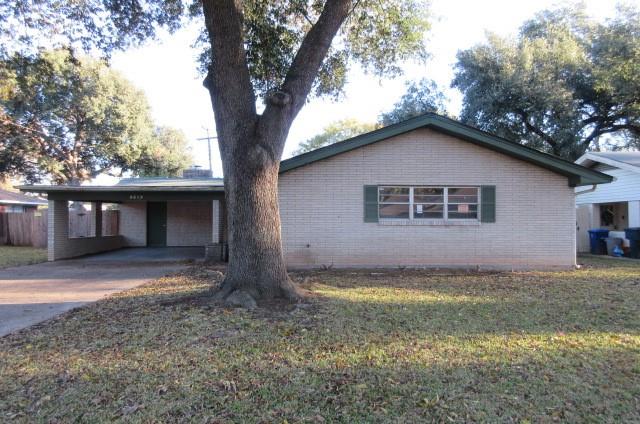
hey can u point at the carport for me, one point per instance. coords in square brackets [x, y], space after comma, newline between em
[152, 213]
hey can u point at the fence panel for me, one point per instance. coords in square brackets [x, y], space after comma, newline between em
[30, 229]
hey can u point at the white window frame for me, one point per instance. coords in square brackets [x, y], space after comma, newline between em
[445, 206]
[396, 203]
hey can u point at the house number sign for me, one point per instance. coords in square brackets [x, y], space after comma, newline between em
[136, 197]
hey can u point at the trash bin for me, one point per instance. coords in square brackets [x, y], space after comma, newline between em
[612, 243]
[633, 235]
[597, 244]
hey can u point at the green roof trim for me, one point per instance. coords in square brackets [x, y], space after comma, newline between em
[577, 175]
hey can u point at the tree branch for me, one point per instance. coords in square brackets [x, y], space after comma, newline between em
[228, 79]
[312, 51]
[537, 131]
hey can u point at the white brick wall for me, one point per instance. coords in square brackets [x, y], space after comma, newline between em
[189, 223]
[322, 208]
[133, 223]
[60, 246]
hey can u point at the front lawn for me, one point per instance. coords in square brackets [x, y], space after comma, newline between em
[372, 346]
[21, 255]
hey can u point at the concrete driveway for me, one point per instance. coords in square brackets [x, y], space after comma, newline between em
[34, 293]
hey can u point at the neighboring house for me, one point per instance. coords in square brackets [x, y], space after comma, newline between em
[614, 206]
[428, 191]
[12, 202]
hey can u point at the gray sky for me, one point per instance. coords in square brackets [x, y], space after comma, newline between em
[166, 71]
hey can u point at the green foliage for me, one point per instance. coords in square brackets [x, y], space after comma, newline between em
[377, 35]
[335, 132]
[27, 25]
[420, 97]
[561, 85]
[166, 154]
[69, 118]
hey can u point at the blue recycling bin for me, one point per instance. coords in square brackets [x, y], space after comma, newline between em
[633, 235]
[597, 244]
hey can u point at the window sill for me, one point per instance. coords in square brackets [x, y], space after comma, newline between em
[430, 222]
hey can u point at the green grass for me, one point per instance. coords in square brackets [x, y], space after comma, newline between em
[372, 346]
[20, 255]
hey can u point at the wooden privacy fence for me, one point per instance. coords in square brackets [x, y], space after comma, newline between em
[24, 229]
[30, 229]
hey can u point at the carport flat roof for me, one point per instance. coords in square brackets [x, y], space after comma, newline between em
[137, 185]
[136, 189]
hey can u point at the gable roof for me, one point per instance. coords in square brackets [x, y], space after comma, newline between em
[577, 175]
[623, 160]
[12, 198]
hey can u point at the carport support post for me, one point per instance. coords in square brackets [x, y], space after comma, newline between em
[58, 228]
[96, 217]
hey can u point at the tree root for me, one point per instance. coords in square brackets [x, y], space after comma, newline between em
[237, 297]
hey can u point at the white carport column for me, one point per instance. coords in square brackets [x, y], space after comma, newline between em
[634, 214]
[58, 229]
[215, 223]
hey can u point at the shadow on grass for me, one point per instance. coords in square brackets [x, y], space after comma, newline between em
[405, 348]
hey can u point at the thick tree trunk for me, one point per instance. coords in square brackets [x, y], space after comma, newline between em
[251, 145]
[256, 269]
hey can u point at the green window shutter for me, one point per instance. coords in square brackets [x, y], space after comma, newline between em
[370, 203]
[488, 204]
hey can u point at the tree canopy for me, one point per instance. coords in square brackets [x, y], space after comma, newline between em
[561, 85]
[420, 97]
[165, 155]
[335, 132]
[376, 35]
[71, 118]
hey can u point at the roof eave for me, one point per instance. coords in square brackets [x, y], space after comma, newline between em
[89, 189]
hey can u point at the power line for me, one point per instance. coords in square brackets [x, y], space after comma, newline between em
[209, 138]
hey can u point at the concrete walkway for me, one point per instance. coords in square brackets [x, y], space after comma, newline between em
[34, 293]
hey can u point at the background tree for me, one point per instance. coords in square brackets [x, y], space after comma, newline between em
[70, 119]
[420, 97]
[561, 85]
[279, 52]
[335, 132]
[165, 155]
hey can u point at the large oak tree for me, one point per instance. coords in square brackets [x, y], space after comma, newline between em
[68, 119]
[565, 84]
[262, 60]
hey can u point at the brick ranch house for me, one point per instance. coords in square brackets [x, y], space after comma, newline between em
[428, 191]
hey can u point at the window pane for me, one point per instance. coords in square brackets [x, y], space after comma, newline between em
[394, 211]
[394, 194]
[463, 195]
[428, 191]
[428, 199]
[463, 211]
[428, 211]
[428, 195]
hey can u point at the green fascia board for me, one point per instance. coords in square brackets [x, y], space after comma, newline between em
[577, 175]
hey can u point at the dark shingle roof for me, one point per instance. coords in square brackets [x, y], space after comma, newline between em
[13, 198]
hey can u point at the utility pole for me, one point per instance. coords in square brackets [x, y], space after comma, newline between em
[208, 138]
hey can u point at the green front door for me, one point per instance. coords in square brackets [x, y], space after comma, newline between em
[156, 224]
